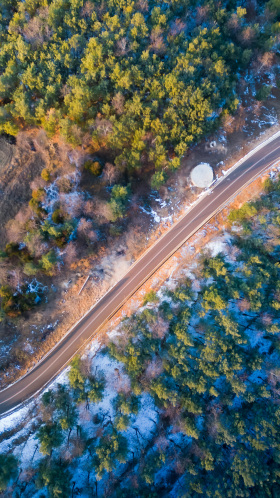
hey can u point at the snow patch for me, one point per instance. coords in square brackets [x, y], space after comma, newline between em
[216, 246]
[10, 421]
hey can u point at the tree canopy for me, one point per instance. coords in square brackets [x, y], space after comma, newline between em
[144, 79]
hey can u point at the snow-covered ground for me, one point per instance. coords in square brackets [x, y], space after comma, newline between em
[141, 429]
[20, 425]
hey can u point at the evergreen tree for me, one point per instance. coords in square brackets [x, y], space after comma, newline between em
[8, 470]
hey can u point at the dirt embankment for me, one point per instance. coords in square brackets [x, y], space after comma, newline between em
[19, 166]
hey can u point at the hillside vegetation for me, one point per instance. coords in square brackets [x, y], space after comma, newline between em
[183, 400]
[139, 81]
[104, 99]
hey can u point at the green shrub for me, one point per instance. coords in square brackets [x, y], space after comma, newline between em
[30, 269]
[115, 230]
[127, 403]
[94, 167]
[48, 262]
[46, 175]
[38, 194]
[59, 232]
[58, 216]
[8, 469]
[122, 422]
[158, 179]
[36, 200]
[246, 212]
[264, 92]
[15, 303]
[150, 297]
[268, 185]
[119, 200]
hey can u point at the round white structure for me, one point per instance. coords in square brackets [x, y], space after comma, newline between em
[202, 175]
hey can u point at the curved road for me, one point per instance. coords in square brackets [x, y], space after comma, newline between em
[252, 165]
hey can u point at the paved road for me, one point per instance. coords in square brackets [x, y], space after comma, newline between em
[49, 367]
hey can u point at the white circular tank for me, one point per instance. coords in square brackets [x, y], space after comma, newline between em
[202, 175]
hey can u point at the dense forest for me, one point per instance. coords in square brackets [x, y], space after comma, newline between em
[206, 355]
[137, 81]
[129, 87]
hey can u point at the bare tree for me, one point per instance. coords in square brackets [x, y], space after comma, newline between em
[202, 14]
[122, 382]
[78, 447]
[240, 118]
[70, 254]
[87, 9]
[118, 103]
[122, 47]
[154, 369]
[103, 126]
[15, 229]
[157, 41]
[85, 231]
[27, 475]
[37, 31]
[235, 123]
[103, 210]
[266, 319]
[84, 226]
[142, 5]
[233, 23]
[4, 272]
[162, 443]
[36, 245]
[244, 305]
[24, 148]
[15, 278]
[177, 27]
[37, 183]
[86, 140]
[247, 36]
[179, 466]
[88, 208]
[134, 242]
[110, 173]
[41, 140]
[64, 185]
[160, 328]
[264, 62]
[72, 203]
[228, 121]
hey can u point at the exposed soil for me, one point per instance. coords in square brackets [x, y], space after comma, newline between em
[18, 168]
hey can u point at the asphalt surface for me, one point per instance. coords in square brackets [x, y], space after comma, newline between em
[59, 356]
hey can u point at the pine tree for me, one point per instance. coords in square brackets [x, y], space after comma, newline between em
[8, 470]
